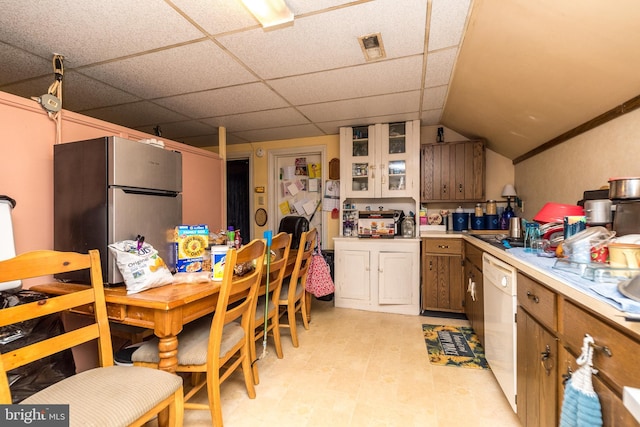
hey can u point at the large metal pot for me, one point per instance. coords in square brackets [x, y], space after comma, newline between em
[624, 188]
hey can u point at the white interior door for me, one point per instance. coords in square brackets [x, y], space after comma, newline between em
[297, 186]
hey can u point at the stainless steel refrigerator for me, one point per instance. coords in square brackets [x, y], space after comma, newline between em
[111, 189]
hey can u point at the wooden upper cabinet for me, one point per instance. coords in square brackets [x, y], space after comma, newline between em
[453, 171]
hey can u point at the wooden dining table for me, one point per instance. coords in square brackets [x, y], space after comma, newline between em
[165, 309]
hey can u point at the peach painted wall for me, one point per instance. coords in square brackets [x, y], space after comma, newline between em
[27, 137]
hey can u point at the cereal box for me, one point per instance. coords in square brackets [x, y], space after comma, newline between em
[190, 244]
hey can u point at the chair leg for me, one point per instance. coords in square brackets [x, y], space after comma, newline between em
[276, 336]
[247, 372]
[254, 361]
[213, 394]
[291, 315]
[304, 310]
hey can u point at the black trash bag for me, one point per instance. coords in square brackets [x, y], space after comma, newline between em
[29, 379]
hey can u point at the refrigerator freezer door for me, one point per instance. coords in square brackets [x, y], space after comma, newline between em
[139, 165]
[151, 216]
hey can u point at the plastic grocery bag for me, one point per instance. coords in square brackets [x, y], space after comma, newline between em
[140, 266]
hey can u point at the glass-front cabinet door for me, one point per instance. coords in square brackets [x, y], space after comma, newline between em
[396, 160]
[358, 151]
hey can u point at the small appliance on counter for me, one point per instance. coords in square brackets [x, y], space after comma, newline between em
[625, 197]
[377, 224]
[398, 218]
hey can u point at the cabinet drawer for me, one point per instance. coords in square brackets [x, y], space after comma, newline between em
[473, 254]
[442, 246]
[619, 369]
[539, 301]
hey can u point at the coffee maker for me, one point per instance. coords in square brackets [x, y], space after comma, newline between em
[398, 217]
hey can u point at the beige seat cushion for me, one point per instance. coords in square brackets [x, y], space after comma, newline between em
[111, 396]
[285, 290]
[192, 343]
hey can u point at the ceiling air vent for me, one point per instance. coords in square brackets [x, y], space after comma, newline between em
[372, 47]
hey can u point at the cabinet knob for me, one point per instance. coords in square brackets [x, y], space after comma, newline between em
[444, 189]
[460, 188]
[430, 265]
[533, 297]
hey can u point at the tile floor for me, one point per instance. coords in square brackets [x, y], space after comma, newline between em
[358, 368]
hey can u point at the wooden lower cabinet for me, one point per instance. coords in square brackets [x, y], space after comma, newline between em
[550, 331]
[474, 290]
[615, 358]
[537, 355]
[442, 284]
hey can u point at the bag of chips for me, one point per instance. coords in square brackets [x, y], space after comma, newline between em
[140, 265]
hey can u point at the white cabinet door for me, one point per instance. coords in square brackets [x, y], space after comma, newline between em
[358, 161]
[398, 160]
[380, 160]
[353, 274]
[395, 278]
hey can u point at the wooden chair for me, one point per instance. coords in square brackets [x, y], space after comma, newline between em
[293, 296]
[280, 245]
[107, 395]
[218, 346]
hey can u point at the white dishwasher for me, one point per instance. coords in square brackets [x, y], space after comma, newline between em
[500, 307]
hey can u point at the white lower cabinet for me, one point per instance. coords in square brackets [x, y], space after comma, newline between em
[378, 275]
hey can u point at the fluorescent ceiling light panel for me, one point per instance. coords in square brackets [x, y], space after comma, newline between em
[270, 13]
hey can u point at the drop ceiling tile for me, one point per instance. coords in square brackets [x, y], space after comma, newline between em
[333, 128]
[202, 141]
[448, 19]
[29, 88]
[102, 30]
[136, 114]
[434, 97]
[22, 65]
[363, 107]
[212, 140]
[439, 67]
[302, 131]
[330, 40]
[217, 16]
[179, 130]
[162, 73]
[221, 102]
[353, 82]
[431, 117]
[259, 120]
[305, 6]
[79, 92]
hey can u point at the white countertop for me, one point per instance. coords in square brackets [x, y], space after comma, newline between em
[560, 285]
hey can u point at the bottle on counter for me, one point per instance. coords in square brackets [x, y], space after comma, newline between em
[237, 242]
[231, 236]
[478, 210]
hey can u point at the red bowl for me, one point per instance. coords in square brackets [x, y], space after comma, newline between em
[555, 212]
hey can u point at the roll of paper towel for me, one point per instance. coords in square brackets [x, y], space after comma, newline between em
[7, 244]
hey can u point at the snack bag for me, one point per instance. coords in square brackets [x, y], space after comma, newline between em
[140, 266]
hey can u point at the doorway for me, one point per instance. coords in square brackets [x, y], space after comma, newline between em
[296, 184]
[238, 196]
